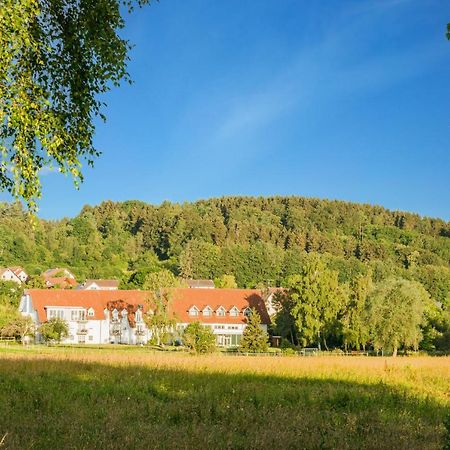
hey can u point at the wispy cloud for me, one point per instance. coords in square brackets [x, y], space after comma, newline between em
[334, 67]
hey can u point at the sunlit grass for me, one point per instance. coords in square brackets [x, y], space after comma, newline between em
[135, 398]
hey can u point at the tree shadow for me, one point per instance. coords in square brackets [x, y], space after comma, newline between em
[48, 403]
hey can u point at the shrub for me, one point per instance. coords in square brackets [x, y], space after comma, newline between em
[54, 330]
[199, 338]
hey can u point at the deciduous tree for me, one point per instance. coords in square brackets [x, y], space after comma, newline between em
[54, 330]
[56, 58]
[199, 338]
[316, 298]
[396, 313]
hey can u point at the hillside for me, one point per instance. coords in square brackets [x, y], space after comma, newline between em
[258, 240]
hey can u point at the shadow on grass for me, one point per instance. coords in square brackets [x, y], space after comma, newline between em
[49, 404]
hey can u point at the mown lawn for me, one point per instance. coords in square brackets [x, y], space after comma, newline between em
[62, 398]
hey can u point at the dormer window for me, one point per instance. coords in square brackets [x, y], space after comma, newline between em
[115, 314]
[207, 312]
[234, 312]
[91, 312]
[124, 312]
[138, 315]
[247, 312]
[220, 311]
[193, 311]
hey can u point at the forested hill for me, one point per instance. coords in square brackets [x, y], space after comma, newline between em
[258, 240]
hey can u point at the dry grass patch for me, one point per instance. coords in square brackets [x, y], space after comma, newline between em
[85, 398]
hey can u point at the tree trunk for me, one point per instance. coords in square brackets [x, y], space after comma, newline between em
[394, 352]
[325, 344]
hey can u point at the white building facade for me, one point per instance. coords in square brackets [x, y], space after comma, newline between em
[117, 317]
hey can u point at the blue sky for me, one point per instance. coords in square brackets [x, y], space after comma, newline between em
[332, 99]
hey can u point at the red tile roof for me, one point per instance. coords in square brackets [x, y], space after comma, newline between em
[102, 283]
[184, 299]
[61, 282]
[17, 270]
[97, 300]
[181, 300]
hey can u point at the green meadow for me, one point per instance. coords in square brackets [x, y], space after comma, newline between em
[64, 398]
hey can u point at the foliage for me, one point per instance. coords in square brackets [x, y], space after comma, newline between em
[316, 298]
[254, 338]
[354, 320]
[54, 330]
[8, 314]
[260, 241]
[10, 293]
[55, 61]
[396, 313]
[18, 326]
[225, 282]
[199, 338]
[36, 282]
[160, 280]
[158, 319]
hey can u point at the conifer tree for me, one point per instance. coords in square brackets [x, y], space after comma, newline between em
[254, 339]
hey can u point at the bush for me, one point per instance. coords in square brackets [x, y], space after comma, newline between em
[288, 351]
[199, 338]
[54, 330]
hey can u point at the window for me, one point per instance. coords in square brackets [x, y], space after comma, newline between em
[223, 340]
[91, 312]
[207, 312]
[91, 338]
[77, 314]
[247, 312]
[234, 312]
[138, 316]
[193, 311]
[115, 314]
[220, 311]
[56, 314]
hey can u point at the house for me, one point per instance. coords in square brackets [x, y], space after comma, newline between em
[60, 282]
[58, 273]
[117, 316]
[200, 284]
[20, 273]
[59, 278]
[7, 274]
[93, 316]
[102, 285]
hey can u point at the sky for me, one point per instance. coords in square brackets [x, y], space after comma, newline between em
[335, 99]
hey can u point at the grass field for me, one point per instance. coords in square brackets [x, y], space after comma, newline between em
[62, 398]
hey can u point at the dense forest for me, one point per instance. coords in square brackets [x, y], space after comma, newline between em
[252, 242]
[261, 241]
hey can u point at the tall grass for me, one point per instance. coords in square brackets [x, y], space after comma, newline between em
[106, 399]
